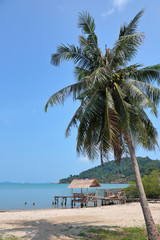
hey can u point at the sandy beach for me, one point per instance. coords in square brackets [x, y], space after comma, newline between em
[52, 224]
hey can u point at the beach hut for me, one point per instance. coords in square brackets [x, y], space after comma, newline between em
[80, 197]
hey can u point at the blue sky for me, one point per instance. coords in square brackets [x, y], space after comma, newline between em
[33, 147]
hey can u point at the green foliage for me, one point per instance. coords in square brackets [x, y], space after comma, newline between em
[127, 233]
[112, 171]
[131, 191]
[81, 234]
[151, 185]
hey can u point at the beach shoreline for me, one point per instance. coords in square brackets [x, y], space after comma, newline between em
[62, 223]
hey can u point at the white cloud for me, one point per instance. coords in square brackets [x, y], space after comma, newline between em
[117, 5]
[120, 4]
[83, 159]
[107, 13]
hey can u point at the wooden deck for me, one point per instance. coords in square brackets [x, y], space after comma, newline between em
[109, 201]
[102, 201]
[62, 198]
[84, 200]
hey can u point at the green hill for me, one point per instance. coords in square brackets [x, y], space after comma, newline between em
[111, 172]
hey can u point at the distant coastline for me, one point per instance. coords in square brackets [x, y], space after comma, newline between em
[111, 173]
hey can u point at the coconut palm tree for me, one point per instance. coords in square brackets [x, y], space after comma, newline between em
[113, 98]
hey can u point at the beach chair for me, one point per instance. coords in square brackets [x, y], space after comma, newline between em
[106, 199]
[121, 196]
[92, 198]
[113, 197]
[79, 198]
[110, 194]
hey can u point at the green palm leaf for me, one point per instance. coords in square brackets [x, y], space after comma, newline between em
[125, 49]
[81, 73]
[87, 24]
[75, 119]
[122, 107]
[140, 96]
[69, 53]
[60, 96]
[151, 92]
[147, 74]
[132, 26]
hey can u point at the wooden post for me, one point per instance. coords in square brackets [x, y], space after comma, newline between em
[82, 203]
[87, 197]
[71, 197]
[96, 197]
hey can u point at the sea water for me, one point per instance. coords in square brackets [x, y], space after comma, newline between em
[13, 196]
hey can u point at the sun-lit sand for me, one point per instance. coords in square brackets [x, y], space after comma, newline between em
[52, 224]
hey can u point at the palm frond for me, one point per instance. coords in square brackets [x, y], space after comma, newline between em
[110, 119]
[100, 77]
[60, 96]
[130, 70]
[85, 44]
[125, 49]
[93, 110]
[143, 131]
[122, 107]
[132, 26]
[93, 53]
[137, 95]
[148, 74]
[90, 142]
[87, 24]
[76, 118]
[68, 53]
[118, 149]
[152, 92]
[111, 127]
[152, 134]
[81, 73]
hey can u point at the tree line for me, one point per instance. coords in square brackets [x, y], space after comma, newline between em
[121, 172]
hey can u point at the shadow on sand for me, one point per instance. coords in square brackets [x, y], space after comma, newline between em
[44, 230]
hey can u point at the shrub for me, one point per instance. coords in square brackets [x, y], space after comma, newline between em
[151, 185]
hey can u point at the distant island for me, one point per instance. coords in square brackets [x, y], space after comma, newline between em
[115, 173]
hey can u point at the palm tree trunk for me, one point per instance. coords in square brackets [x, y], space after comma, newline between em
[150, 225]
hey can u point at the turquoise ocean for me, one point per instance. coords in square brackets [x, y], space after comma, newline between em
[14, 195]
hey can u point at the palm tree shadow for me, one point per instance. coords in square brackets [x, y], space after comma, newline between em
[42, 229]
